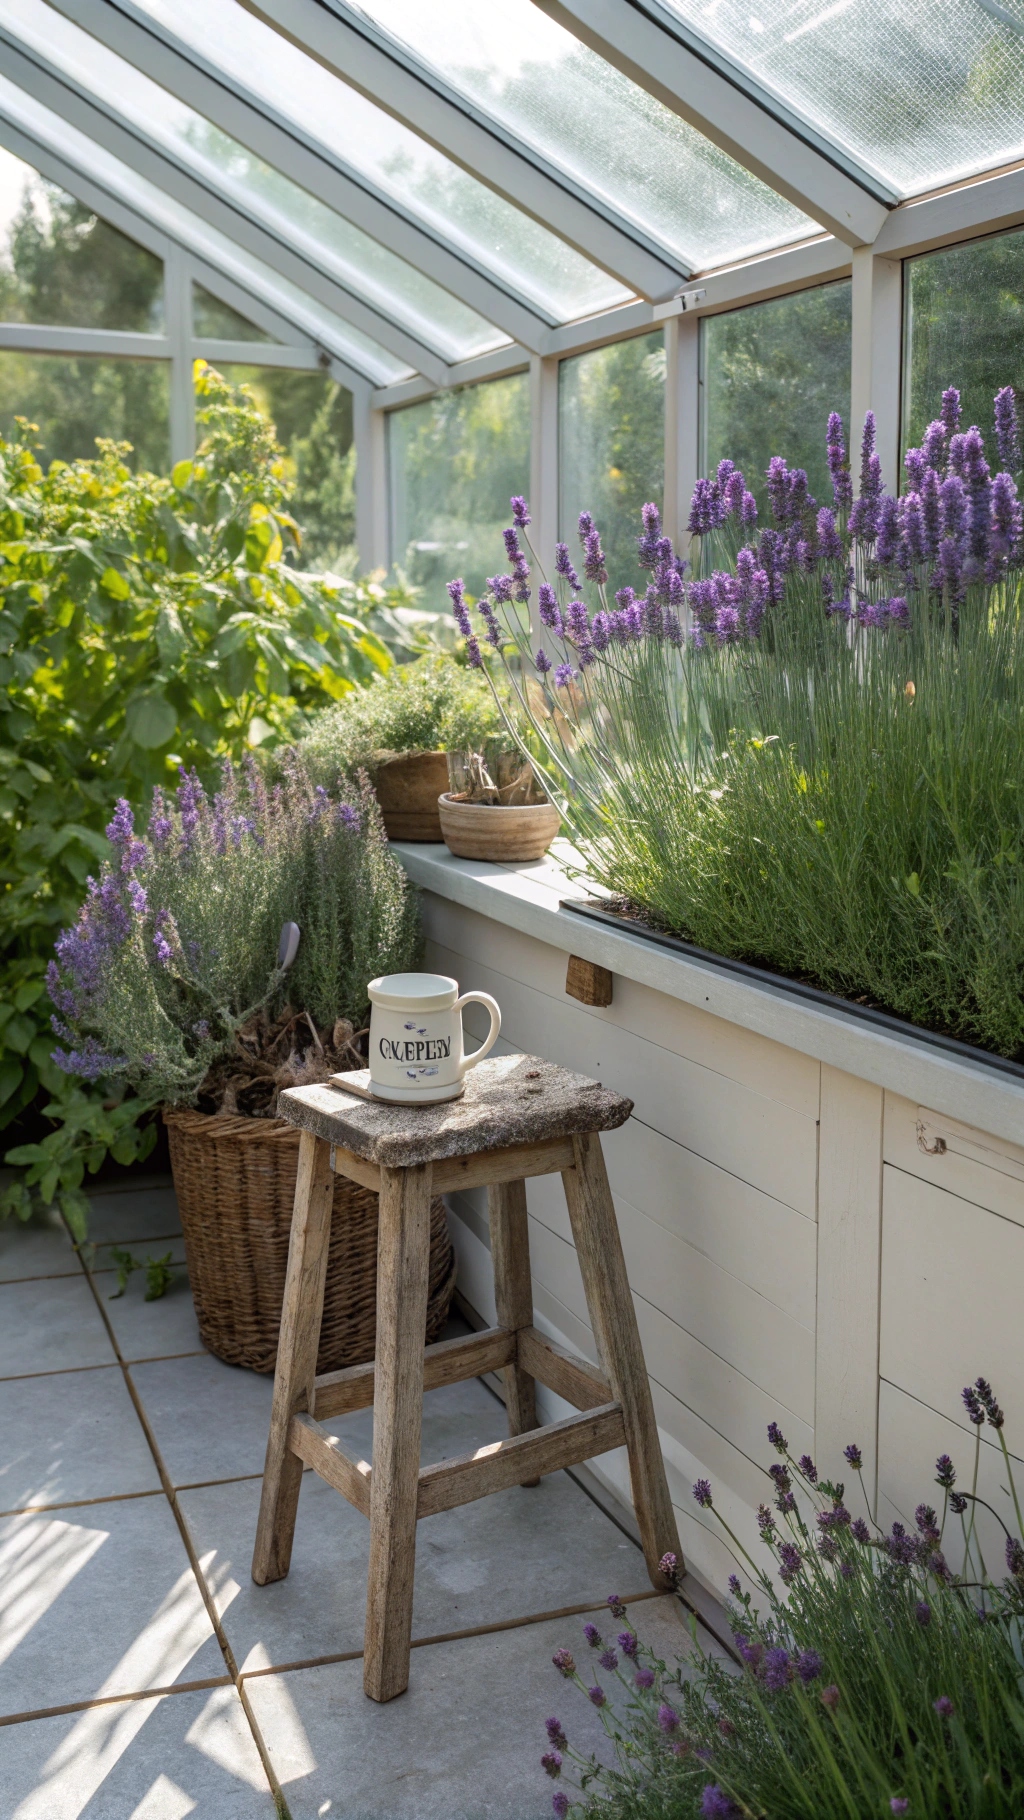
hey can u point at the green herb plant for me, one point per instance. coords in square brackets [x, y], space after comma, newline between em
[434, 704]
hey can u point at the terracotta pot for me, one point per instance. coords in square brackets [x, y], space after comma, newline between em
[492, 831]
[407, 790]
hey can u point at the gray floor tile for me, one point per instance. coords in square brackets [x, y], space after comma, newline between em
[508, 1556]
[465, 1741]
[151, 1330]
[97, 1601]
[73, 1435]
[187, 1757]
[51, 1324]
[210, 1419]
[158, 1247]
[134, 1216]
[39, 1247]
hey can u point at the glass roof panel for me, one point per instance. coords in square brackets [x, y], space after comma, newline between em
[597, 126]
[511, 247]
[365, 267]
[869, 75]
[109, 173]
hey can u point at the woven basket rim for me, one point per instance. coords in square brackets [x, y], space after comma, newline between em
[238, 1126]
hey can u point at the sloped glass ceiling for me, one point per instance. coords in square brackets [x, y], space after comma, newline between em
[362, 265]
[920, 92]
[102, 169]
[549, 91]
[509, 246]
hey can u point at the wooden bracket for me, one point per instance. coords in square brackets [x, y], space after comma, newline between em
[588, 982]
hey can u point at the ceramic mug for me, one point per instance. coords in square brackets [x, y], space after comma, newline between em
[416, 1051]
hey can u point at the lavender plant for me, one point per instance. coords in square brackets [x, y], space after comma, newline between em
[801, 745]
[174, 952]
[873, 1681]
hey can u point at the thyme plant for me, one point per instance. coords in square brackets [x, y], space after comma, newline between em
[873, 1680]
[802, 745]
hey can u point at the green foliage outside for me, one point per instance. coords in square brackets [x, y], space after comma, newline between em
[771, 373]
[877, 1675]
[435, 704]
[964, 327]
[312, 418]
[611, 427]
[146, 623]
[454, 463]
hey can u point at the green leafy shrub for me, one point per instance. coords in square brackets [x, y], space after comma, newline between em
[434, 704]
[145, 622]
[874, 1681]
[176, 947]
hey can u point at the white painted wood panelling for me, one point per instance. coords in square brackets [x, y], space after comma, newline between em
[910, 1439]
[986, 1170]
[849, 1237]
[952, 1297]
[763, 1141]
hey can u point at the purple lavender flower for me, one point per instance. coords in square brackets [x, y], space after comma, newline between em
[1015, 1557]
[913, 537]
[349, 818]
[511, 542]
[957, 1503]
[560, 1804]
[888, 530]
[549, 610]
[494, 633]
[597, 1696]
[715, 1803]
[161, 945]
[90, 1062]
[564, 1662]
[608, 1659]
[644, 1679]
[728, 627]
[765, 1521]
[863, 521]
[702, 1493]
[456, 591]
[520, 514]
[748, 511]
[542, 661]
[593, 555]
[986, 1397]
[899, 1805]
[944, 1706]
[751, 1653]
[668, 1718]
[780, 1478]
[777, 1438]
[860, 1531]
[474, 654]
[933, 445]
[734, 1586]
[951, 410]
[577, 621]
[790, 1562]
[830, 544]
[601, 630]
[501, 588]
[923, 1613]
[564, 568]
[836, 1518]
[705, 508]
[551, 1763]
[593, 1635]
[647, 543]
[835, 449]
[668, 1567]
[949, 570]
[160, 824]
[556, 1736]
[191, 798]
[931, 513]
[914, 466]
[925, 1518]
[808, 1468]
[628, 1644]
[828, 1548]
[1007, 430]
[808, 1665]
[852, 1456]
[972, 1405]
[563, 675]
[945, 1471]
[777, 489]
[1007, 527]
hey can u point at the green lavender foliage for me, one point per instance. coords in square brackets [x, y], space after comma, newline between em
[177, 946]
[877, 1683]
[431, 705]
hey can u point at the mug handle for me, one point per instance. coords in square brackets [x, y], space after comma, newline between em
[481, 998]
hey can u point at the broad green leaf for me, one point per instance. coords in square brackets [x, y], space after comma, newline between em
[181, 474]
[150, 721]
[10, 1077]
[115, 583]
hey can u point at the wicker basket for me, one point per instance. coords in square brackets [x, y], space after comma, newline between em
[235, 1182]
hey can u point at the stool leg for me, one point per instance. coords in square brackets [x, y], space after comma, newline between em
[297, 1348]
[599, 1249]
[403, 1258]
[513, 1294]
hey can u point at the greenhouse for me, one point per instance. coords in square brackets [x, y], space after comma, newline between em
[512, 660]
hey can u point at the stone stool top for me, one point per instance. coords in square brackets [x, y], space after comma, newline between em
[509, 1099]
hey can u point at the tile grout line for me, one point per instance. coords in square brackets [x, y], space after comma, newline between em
[122, 1497]
[204, 1591]
[56, 1276]
[146, 1693]
[62, 1371]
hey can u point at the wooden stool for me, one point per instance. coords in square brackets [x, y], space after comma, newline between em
[519, 1117]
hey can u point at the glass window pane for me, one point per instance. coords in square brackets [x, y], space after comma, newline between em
[964, 327]
[454, 463]
[74, 401]
[367, 356]
[516, 250]
[361, 264]
[59, 263]
[215, 320]
[549, 90]
[312, 415]
[770, 375]
[611, 445]
[920, 94]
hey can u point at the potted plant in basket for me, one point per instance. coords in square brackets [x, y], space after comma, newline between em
[220, 959]
[400, 730]
[495, 807]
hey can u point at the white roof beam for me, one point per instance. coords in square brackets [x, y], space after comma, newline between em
[658, 57]
[50, 85]
[179, 68]
[348, 44]
[986, 206]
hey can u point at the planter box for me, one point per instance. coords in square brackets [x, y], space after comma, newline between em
[823, 1217]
